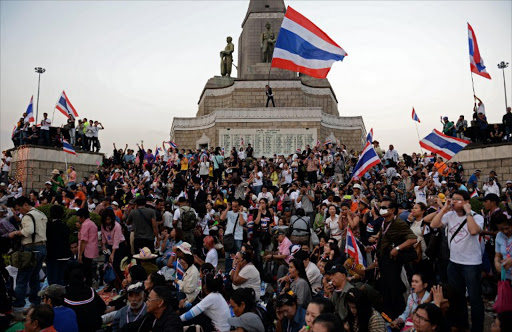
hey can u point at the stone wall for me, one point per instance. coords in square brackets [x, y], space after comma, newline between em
[496, 158]
[33, 165]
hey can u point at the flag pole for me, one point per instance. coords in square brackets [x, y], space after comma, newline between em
[473, 84]
[417, 132]
[66, 160]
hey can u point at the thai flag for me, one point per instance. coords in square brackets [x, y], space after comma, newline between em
[476, 62]
[223, 151]
[30, 112]
[369, 138]
[68, 147]
[317, 142]
[430, 159]
[443, 145]
[328, 142]
[174, 145]
[415, 116]
[65, 107]
[302, 47]
[474, 194]
[157, 151]
[367, 160]
[352, 249]
[241, 141]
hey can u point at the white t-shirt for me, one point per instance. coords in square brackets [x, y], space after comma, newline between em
[168, 219]
[334, 226]
[216, 308]
[287, 175]
[465, 248]
[239, 230]
[293, 198]
[314, 277]
[251, 273]
[258, 182]
[212, 257]
[45, 124]
[241, 155]
[266, 195]
[421, 194]
[6, 167]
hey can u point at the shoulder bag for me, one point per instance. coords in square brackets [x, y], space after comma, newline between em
[229, 239]
[25, 259]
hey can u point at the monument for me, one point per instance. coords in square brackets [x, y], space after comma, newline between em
[231, 110]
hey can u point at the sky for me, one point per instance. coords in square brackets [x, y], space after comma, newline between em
[134, 65]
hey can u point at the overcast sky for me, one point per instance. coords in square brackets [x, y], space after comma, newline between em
[135, 65]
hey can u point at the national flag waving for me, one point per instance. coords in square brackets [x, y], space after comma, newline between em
[64, 105]
[14, 131]
[30, 111]
[369, 138]
[352, 249]
[415, 116]
[302, 47]
[367, 160]
[476, 62]
[443, 145]
[68, 147]
[174, 145]
[329, 141]
[474, 194]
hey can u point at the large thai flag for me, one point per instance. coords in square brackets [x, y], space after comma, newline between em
[68, 147]
[64, 105]
[174, 145]
[30, 111]
[369, 138]
[352, 249]
[302, 47]
[415, 116]
[443, 145]
[367, 160]
[476, 62]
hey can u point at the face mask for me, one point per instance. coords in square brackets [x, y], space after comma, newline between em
[383, 211]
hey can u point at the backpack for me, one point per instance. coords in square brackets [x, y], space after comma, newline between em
[188, 218]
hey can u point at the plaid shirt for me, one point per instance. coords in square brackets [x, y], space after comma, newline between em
[400, 198]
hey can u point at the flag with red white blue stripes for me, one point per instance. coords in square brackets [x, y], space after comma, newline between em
[65, 107]
[415, 116]
[443, 145]
[352, 249]
[68, 147]
[30, 111]
[476, 63]
[369, 138]
[367, 160]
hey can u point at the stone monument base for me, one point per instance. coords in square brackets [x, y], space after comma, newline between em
[33, 165]
[260, 71]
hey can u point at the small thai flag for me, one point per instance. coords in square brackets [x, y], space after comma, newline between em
[328, 142]
[367, 160]
[476, 63]
[174, 145]
[443, 145]
[241, 141]
[415, 116]
[65, 107]
[68, 147]
[474, 194]
[369, 138]
[352, 249]
[30, 112]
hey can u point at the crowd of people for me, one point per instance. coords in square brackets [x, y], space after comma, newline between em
[479, 130]
[234, 242]
[83, 135]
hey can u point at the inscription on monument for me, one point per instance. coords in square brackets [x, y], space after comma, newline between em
[266, 142]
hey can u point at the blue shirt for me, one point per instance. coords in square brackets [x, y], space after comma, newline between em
[65, 319]
[299, 320]
[473, 181]
[502, 243]
[463, 187]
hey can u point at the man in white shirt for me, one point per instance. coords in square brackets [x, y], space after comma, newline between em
[421, 192]
[312, 271]
[211, 255]
[391, 154]
[464, 268]
[45, 129]
[96, 142]
[236, 219]
[293, 194]
[265, 194]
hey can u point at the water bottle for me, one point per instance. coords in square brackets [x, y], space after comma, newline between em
[263, 288]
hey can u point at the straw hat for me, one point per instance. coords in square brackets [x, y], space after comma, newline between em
[145, 253]
[55, 171]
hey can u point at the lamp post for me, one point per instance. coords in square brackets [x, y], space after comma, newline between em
[502, 65]
[38, 70]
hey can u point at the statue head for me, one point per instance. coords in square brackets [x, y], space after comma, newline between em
[267, 25]
[229, 39]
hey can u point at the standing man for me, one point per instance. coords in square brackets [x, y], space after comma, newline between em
[235, 221]
[507, 124]
[270, 96]
[45, 129]
[89, 136]
[96, 142]
[87, 243]
[145, 228]
[391, 154]
[33, 233]
[464, 269]
[395, 236]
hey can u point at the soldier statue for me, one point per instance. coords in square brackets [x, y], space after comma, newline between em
[226, 57]
[268, 40]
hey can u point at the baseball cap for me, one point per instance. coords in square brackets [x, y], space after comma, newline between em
[357, 186]
[115, 203]
[444, 182]
[508, 182]
[491, 197]
[185, 248]
[55, 291]
[48, 182]
[249, 321]
[336, 268]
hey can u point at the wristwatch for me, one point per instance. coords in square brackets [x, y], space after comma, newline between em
[397, 248]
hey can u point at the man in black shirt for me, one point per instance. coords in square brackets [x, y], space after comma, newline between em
[270, 96]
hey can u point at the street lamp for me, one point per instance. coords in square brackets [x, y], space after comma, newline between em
[38, 70]
[502, 65]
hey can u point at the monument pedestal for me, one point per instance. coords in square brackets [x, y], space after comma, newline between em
[33, 165]
[260, 71]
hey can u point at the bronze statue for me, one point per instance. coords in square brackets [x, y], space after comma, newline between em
[268, 40]
[226, 57]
